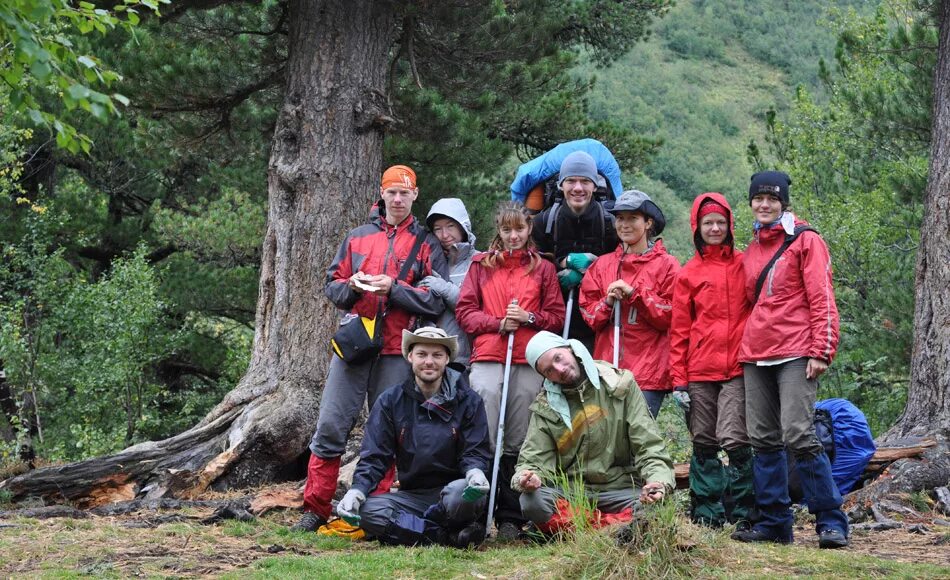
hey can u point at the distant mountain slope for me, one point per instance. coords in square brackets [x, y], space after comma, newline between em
[704, 82]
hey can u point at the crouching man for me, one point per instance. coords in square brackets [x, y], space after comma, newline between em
[591, 425]
[434, 427]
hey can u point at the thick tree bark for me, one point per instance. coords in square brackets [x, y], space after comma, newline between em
[323, 175]
[928, 397]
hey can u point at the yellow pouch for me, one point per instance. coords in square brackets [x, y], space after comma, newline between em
[341, 529]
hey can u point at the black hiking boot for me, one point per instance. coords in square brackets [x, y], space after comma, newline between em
[832, 539]
[471, 536]
[756, 536]
[308, 523]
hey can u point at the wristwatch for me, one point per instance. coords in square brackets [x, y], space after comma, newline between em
[531, 318]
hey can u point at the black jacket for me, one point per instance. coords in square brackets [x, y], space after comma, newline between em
[434, 442]
[558, 232]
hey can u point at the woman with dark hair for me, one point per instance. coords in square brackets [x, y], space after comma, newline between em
[709, 313]
[638, 275]
[789, 340]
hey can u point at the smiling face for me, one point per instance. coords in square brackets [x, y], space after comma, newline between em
[766, 208]
[514, 235]
[713, 228]
[577, 193]
[559, 365]
[428, 363]
[633, 229]
[447, 231]
[398, 202]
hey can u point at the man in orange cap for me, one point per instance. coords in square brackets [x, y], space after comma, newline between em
[373, 276]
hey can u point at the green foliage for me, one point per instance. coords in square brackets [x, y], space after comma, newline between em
[82, 349]
[47, 58]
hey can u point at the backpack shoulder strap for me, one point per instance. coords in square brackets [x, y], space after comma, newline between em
[411, 257]
[789, 238]
[552, 217]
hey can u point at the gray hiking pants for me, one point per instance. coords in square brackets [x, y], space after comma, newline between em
[347, 388]
[409, 517]
[524, 384]
[780, 408]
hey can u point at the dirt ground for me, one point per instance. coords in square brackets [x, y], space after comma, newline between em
[178, 544]
[899, 544]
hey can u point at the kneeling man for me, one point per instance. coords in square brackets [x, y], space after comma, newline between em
[591, 425]
[434, 427]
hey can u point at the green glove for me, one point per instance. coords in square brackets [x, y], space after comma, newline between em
[569, 278]
[580, 262]
[470, 494]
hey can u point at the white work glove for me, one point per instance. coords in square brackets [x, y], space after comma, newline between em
[436, 285]
[349, 506]
[476, 485]
[682, 399]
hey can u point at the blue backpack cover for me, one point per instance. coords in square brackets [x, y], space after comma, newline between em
[854, 444]
[544, 166]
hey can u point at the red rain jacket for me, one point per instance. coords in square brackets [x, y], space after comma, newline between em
[710, 308]
[486, 294]
[380, 248]
[796, 314]
[644, 317]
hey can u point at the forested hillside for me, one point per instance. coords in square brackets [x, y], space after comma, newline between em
[704, 83]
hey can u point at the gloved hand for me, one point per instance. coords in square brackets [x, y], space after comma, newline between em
[681, 396]
[476, 485]
[569, 278]
[349, 506]
[436, 285]
[580, 262]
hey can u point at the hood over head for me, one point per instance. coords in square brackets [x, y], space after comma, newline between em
[452, 208]
[701, 200]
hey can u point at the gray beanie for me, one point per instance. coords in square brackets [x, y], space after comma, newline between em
[578, 164]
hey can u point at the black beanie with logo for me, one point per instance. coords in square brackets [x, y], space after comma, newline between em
[772, 183]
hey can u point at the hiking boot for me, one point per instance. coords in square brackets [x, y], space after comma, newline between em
[508, 532]
[755, 536]
[471, 536]
[308, 523]
[832, 539]
[743, 526]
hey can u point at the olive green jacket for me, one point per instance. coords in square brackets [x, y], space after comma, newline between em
[614, 443]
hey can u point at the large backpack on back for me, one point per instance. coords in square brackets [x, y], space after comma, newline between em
[535, 184]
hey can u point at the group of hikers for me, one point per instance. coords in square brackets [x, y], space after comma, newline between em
[502, 382]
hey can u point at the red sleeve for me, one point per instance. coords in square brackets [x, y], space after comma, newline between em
[655, 303]
[551, 315]
[823, 310]
[468, 311]
[681, 323]
[593, 306]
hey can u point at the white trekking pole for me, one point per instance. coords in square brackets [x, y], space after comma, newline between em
[616, 333]
[567, 319]
[500, 435]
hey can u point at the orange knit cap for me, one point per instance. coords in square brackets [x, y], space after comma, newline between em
[399, 176]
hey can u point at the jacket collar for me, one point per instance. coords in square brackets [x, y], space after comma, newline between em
[444, 403]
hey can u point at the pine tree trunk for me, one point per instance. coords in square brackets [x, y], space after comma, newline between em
[322, 177]
[928, 397]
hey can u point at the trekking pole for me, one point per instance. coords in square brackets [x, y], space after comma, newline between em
[616, 333]
[501, 429]
[567, 319]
